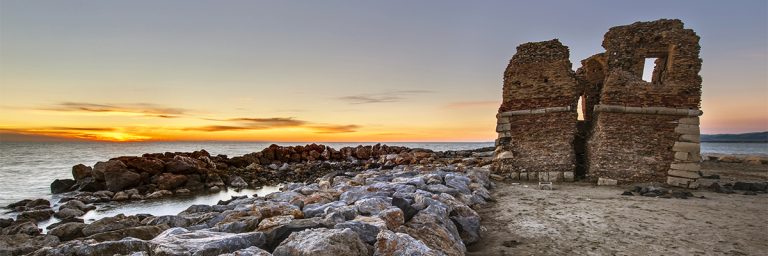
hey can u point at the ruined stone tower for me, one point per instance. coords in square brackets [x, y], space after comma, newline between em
[537, 118]
[633, 130]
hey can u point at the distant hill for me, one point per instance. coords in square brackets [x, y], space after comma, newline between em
[743, 137]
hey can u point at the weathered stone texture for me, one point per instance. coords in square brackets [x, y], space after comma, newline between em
[537, 118]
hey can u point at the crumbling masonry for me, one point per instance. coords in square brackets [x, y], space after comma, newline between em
[632, 130]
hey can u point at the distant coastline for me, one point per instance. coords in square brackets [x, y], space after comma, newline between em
[753, 137]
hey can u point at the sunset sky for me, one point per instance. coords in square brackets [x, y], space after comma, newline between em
[327, 70]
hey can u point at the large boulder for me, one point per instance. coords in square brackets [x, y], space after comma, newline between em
[68, 231]
[111, 223]
[250, 251]
[182, 165]
[144, 164]
[21, 227]
[36, 215]
[468, 223]
[389, 243]
[277, 234]
[59, 186]
[366, 230]
[140, 232]
[372, 206]
[180, 241]
[89, 184]
[169, 181]
[68, 213]
[81, 171]
[91, 248]
[120, 179]
[322, 242]
[433, 227]
[20, 244]
[100, 168]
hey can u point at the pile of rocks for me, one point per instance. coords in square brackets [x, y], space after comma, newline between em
[164, 174]
[405, 210]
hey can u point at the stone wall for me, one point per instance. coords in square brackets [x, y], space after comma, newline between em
[640, 125]
[537, 119]
[635, 130]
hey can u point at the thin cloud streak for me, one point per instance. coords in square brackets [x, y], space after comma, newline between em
[383, 97]
[144, 109]
[249, 123]
[474, 104]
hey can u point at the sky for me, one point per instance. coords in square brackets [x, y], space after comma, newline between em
[327, 70]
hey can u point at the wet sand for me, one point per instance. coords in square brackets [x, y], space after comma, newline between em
[583, 219]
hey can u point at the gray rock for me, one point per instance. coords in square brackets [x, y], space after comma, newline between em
[170, 220]
[433, 227]
[68, 231]
[179, 241]
[459, 182]
[314, 210]
[119, 179]
[91, 248]
[391, 243]
[111, 223]
[468, 223]
[238, 182]
[440, 188]
[279, 233]
[322, 242]
[140, 232]
[250, 251]
[20, 244]
[241, 225]
[21, 227]
[372, 206]
[367, 232]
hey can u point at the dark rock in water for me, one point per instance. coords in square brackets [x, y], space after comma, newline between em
[59, 186]
[89, 184]
[120, 179]
[322, 242]
[627, 193]
[20, 244]
[62, 222]
[408, 210]
[5, 222]
[68, 213]
[36, 215]
[117, 222]
[391, 243]
[238, 182]
[140, 232]
[169, 181]
[182, 165]
[38, 202]
[68, 231]
[77, 204]
[21, 227]
[144, 164]
[81, 171]
[81, 248]
[18, 204]
[179, 241]
[113, 166]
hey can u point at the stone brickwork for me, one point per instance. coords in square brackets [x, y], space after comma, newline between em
[537, 118]
[635, 130]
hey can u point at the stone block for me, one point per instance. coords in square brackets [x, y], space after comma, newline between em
[681, 156]
[689, 120]
[568, 176]
[686, 147]
[514, 175]
[502, 120]
[693, 167]
[687, 129]
[533, 176]
[693, 185]
[607, 182]
[503, 127]
[555, 176]
[684, 174]
[678, 182]
[505, 155]
[690, 138]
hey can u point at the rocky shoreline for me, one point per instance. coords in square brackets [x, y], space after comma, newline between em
[365, 200]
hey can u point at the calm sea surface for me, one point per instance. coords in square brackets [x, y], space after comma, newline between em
[27, 169]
